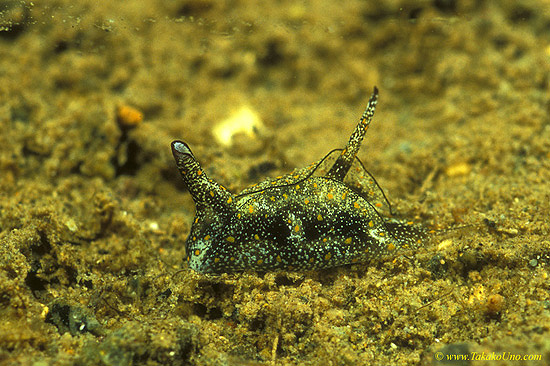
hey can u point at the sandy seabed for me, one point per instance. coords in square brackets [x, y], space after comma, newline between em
[94, 216]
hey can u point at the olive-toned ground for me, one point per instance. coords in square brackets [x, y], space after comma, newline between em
[93, 215]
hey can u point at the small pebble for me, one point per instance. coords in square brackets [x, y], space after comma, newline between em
[494, 304]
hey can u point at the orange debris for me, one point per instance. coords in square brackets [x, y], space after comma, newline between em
[128, 117]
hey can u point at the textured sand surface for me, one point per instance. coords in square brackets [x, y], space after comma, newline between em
[93, 214]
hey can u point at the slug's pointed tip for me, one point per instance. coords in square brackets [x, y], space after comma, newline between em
[180, 148]
[375, 91]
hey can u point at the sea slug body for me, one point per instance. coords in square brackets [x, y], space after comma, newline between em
[329, 214]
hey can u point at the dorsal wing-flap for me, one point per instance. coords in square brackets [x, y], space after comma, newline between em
[358, 179]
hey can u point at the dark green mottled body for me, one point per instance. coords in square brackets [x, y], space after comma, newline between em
[326, 215]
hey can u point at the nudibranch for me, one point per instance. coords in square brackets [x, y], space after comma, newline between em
[329, 214]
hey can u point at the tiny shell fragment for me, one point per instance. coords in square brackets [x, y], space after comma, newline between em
[458, 169]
